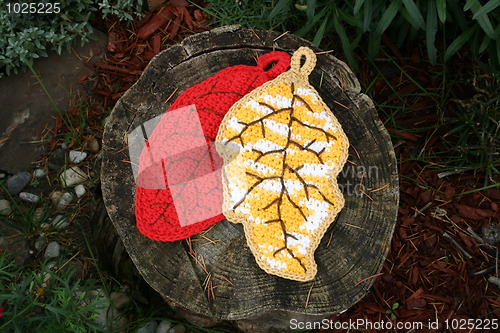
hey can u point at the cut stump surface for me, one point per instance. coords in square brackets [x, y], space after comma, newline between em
[353, 249]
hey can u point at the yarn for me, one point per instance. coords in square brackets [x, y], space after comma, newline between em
[155, 211]
[283, 149]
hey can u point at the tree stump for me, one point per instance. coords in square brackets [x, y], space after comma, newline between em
[231, 286]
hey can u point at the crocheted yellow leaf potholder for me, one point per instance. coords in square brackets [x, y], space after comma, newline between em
[283, 149]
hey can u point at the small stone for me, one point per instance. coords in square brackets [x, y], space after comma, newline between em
[149, 327]
[38, 215]
[491, 234]
[2, 175]
[39, 173]
[117, 321]
[179, 328]
[93, 145]
[52, 250]
[10, 243]
[60, 222]
[5, 209]
[64, 145]
[164, 326]
[18, 182]
[64, 201]
[30, 197]
[55, 196]
[76, 156]
[56, 159]
[73, 176]
[80, 190]
[101, 312]
[119, 299]
[39, 243]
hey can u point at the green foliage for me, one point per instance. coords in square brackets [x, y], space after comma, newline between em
[391, 313]
[447, 22]
[253, 15]
[474, 140]
[123, 9]
[46, 299]
[27, 36]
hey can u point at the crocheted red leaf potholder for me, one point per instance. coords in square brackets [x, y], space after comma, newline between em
[155, 211]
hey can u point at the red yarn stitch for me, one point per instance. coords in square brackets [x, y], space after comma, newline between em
[155, 213]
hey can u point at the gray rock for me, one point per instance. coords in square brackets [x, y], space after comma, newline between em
[55, 197]
[60, 222]
[64, 145]
[56, 159]
[491, 234]
[5, 209]
[72, 176]
[11, 243]
[76, 156]
[93, 145]
[80, 190]
[117, 321]
[39, 173]
[52, 250]
[164, 326]
[101, 318]
[2, 175]
[179, 328]
[29, 197]
[64, 201]
[149, 327]
[38, 215]
[40, 243]
[119, 299]
[18, 182]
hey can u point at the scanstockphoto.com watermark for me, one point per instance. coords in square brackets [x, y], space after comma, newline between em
[453, 324]
[358, 324]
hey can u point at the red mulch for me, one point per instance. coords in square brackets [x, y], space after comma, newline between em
[427, 275]
[130, 48]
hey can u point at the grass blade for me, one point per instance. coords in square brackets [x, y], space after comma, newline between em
[282, 6]
[469, 4]
[458, 14]
[373, 44]
[483, 20]
[357, 6]
[388, 16]
[416, 19]
[346, 45]
[351, 20]
[485, 23]
[441, 10]
[321, 32]
[311, 7]
[488, 7]
[310, 24]
[459, 42]
[484, 44]
[367, 17]
[430, 32]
